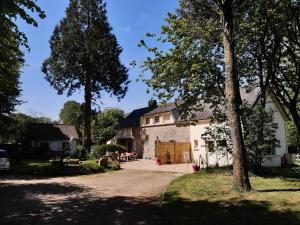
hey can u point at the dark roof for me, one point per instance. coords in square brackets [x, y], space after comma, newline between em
[166, 107]
[249, 97]
[133, 119]
[51, 132]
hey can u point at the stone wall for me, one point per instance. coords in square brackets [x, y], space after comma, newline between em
[162, 133]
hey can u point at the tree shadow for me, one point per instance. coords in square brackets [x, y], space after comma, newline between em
[225, 212]
[287, 172]
[280, 190]
[64, 203]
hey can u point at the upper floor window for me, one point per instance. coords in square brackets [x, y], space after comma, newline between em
[156, 119]
[166, 117]
[147, 120]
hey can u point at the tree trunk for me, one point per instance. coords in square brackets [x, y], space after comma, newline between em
[240, 171]
[296, 117]
[87, 115]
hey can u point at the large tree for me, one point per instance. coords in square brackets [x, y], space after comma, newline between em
[11, 57]
[273, 52]
[201, 65]
[85, 54]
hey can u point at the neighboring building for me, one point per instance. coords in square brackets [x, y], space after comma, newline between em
[43, 137]
[143, 127]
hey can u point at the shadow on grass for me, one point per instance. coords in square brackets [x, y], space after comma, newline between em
[55, 204]
[280, 190]
[292, 172]
[231, 212]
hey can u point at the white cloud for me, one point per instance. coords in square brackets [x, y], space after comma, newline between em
[125, 29]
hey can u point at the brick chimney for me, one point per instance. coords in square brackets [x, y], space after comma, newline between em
[152, 104]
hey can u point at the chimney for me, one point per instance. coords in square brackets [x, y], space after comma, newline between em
[152, 104]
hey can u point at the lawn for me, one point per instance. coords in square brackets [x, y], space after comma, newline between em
[43, 167]
[208, 198]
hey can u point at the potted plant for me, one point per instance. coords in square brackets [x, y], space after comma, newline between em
[158, 162]
[195, 167]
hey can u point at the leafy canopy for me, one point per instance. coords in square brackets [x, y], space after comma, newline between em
[84, 51]
[105, 123]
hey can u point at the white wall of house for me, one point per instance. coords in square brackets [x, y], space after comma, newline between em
[199, 148]
[223, 159]
[55, 145]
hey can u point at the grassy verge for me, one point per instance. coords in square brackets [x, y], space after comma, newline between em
[44, 168]
[208, 198]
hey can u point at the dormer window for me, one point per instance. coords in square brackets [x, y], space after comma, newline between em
[147, 120]
[156, 119]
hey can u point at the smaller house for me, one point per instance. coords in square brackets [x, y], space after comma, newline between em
[43, 137]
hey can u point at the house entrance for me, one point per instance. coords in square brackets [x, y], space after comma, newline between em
[127, 142]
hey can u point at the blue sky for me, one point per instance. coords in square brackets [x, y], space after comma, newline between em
[130, 19]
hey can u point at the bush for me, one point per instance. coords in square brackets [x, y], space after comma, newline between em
[99, 150]
[91, 166]
[115, 165]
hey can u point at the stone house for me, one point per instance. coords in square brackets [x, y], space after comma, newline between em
[143, 127]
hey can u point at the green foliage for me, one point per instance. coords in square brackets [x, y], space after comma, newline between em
[91, 166]
[292, 135]
[105, 123]
[71, 113]
[85, 54]
[14, 127]
[11, 57]
[100, 150]
[115, 165]
[259, 131]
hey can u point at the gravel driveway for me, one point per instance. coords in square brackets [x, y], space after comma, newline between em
[125, 197]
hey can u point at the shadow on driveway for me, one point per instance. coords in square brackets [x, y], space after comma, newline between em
[65, 203]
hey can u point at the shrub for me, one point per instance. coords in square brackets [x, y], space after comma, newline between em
[115, 165]
[99, 150]
[91, 166]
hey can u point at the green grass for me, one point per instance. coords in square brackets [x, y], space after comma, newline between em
[43, 167]
[208, 198]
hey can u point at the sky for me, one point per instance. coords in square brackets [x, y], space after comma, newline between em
[130, 20]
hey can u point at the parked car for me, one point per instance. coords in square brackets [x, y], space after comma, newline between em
[4, 161]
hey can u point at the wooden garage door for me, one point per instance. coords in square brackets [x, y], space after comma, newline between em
[173, 152]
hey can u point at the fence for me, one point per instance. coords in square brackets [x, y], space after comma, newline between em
[173, 152]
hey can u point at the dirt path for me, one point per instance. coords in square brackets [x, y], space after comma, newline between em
[126, 197]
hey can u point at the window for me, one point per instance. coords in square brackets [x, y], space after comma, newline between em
[166, 117]
[222, 143]
[271, 150]
[147, 120]
[210, 146]
[156, 119]
[195, 143]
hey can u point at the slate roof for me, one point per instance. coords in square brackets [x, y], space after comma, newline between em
[50, 132]
[167, 107]
[133, 119]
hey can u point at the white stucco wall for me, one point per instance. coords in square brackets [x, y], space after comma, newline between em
[212, 158]
[281, 131]
[197, 130]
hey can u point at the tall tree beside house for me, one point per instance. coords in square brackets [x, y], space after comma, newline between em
[85, 54]
[201, 64]
[272, 52]
[11, 56]
[105, 123]
[71, 113]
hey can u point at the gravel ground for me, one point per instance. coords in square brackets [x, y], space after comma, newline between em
[125, 197]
